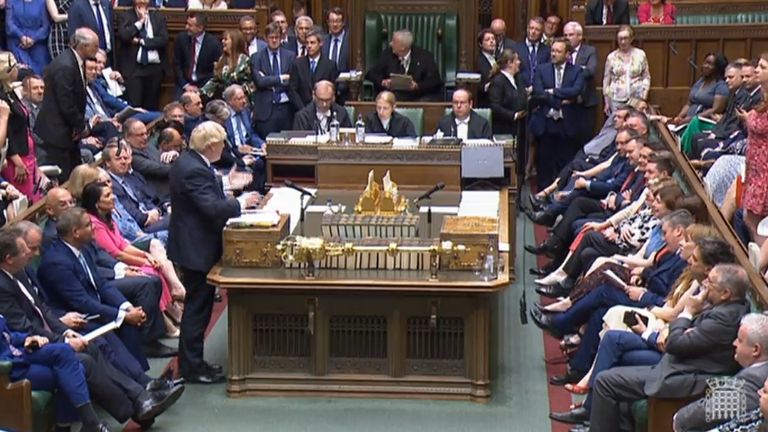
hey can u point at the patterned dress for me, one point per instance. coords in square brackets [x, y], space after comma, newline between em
[756, 182]
[626, 79]
[57, 41]
[241, 74]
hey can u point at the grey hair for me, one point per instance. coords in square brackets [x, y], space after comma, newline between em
[575, 26]
[217, 109]
[679, 218]
[81, 36]
[756, 325]
[734, 278]
[69, 220]
[24, 227]
[230, 91]
[405, 36]
[305, 18]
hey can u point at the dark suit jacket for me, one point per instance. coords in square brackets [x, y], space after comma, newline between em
[485, 68]
[251, 137]
[692, 417]
[692, 357]
[343, 64]
[80, 14]
[422, 69]
[147, 163]
[265, 82]
[18, 125]
[306, 119]
[200, 212]
[542, 57]
[68, 287]
[399, 125]
[587, 59]
[127, 31]
[303, 81]
[63, 109]
[571, 87]
[478, 126]
[21, 315]
[105, 263]
[660, 278]
[594, 12]
[505, 100]
[139, 193]
[506, 43]
[209, 53]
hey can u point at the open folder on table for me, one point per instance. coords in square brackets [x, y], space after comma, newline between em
[400, 82]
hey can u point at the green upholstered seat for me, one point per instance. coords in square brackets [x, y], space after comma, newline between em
[436, 32]
[484, 112]
[351, 113]
[640, 414]
[416, 116]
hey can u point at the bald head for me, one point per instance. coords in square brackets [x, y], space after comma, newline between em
[57, 200]
[85, 42]
[498, 27]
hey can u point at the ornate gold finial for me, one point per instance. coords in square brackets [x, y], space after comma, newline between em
[374, 202]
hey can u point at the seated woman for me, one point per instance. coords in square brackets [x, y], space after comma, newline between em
[49, 367]
[233, 67]
[98, 201]
[388, 121]
[656, 12]
[486, 64]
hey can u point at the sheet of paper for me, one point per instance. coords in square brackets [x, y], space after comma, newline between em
[615, 278]
[448, 210]
[258, 218]
[113, 87]
[286, 200]
[101, 331]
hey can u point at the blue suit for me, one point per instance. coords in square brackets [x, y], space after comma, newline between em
[247, 134]
[136, 198]
[115, 105]
[528, 69]
[81, 15]
[28, 18]
[68, 287]
[195, 243]
[553, 134]
[274, 113]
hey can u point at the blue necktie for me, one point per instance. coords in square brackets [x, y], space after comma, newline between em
[313, 65]
[144, 59]
[532, 59]
[276, 72]
[87, 270]
[100, 24]
[335, 51]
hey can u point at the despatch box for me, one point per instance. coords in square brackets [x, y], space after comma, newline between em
[479, 234]
[254, 246]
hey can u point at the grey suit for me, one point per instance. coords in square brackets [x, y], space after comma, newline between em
[692, 417]
[696, 350]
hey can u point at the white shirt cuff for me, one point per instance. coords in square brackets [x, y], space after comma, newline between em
[647, 333]
[120, 269]
[685, 314]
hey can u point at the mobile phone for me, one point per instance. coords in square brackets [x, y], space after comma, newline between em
[32, 346]
[630, 319]
[91, 317]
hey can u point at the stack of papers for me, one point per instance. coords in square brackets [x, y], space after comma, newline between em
[401, 143]
[286, 201]
[479, 203]
[468, 76]
[320, 139]
[377, 139]
[255, 219]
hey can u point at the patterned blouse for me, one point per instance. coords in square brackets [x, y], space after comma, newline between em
[241, 74]
[641, 224]
[623, 80]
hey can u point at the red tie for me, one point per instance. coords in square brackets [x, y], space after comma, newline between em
[609, 16]
[628, 181]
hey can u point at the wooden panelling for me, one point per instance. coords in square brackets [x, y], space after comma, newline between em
[675, 53]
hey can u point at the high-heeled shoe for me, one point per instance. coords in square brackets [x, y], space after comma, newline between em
[577, 389]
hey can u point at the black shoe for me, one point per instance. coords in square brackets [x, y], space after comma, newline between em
[157, 403]
[217, 297]
[158, 350]
[580, 428]
[538, 271]
[570, 377]
[537, 203]
[215, 368]
[542, 218]
[206, 377]
[101, 427]
[542, 248]
[574, 416]
[552, 291]
[543, 309]
[544, 322]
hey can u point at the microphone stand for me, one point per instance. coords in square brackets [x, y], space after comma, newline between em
[429, 217]
[303, 210]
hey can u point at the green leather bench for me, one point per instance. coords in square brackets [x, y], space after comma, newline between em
[484, 112]
[416, 116]
[436, 32]
[22, 408]
[725, 18]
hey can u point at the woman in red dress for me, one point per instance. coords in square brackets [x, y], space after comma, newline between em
[656, 12]
[755, 198]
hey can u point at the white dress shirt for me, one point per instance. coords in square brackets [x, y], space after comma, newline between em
[153, 57]
[198, 41]
[462, 128]
[107, 35]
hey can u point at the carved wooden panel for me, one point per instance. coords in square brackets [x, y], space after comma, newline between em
[358, 344]
[435, 345]
[281, 342]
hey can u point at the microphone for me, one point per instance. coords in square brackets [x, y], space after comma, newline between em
[294, 186]
[428, 195]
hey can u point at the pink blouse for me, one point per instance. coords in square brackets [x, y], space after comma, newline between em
[108, 238]
[644, 15]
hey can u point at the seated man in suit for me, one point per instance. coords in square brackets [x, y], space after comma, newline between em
[193, 111]
[147, 160]
[138, 197]
[308, 70]
[115, 104]
[318, 114]
[699, 346]
[25, 310]
[241, 135]
[193, 72]
[403, 58]
[607, 12]
[104, 125]
[71, 282]
[270, 74]
[248, 28]
[463, 122]
[751, 352]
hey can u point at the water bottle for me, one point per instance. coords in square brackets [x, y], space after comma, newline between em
[360, 130]
[490, 271]
[334, 129]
